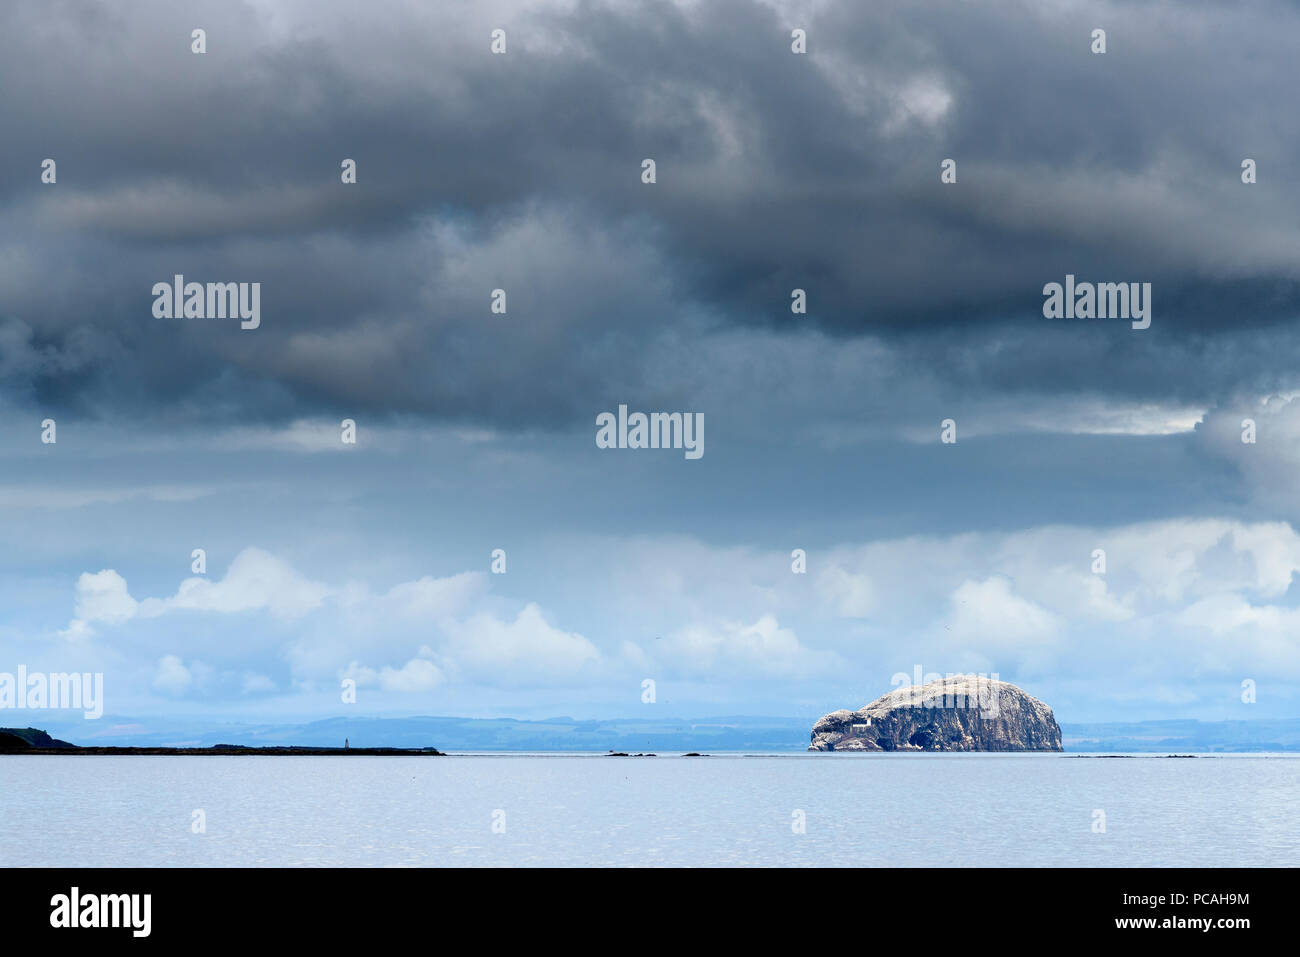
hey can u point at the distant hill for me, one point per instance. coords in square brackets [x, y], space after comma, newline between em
[1147, 736]
[463, 734]
[634, 734]
[24, 739]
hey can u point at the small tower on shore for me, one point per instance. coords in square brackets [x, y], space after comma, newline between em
[345, 744]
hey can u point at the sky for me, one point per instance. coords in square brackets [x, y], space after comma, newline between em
[371, 562]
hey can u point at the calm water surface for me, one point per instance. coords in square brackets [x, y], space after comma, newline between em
[886, 810]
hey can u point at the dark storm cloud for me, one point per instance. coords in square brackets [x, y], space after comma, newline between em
[522, 171]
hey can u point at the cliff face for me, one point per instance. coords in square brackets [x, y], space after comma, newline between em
[963, 713]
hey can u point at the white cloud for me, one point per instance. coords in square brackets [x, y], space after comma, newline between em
[990, 613]
[172, 677]
[733, 648]
[254, 580]
[418, 674]
[100, 598]
[257, 684]
[435, 598]
[526, 650]
[851, 594]
[1179, 598]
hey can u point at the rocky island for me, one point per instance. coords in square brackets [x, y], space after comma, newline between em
[958, 713]
[32, 741]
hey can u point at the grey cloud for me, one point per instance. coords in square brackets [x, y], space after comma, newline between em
[775, 171]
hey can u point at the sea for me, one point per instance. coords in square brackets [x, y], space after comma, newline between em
[767, 810]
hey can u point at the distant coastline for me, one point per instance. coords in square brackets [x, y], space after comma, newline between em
[34, 741]
[235, 749]
[714, 734]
